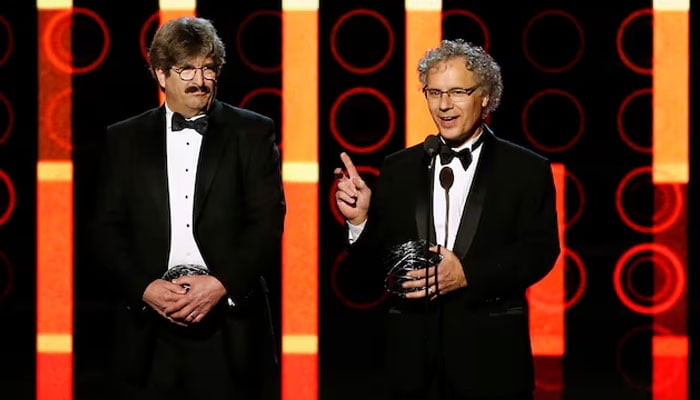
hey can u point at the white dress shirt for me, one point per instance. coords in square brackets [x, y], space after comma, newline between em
[182, 157]
[458, 194]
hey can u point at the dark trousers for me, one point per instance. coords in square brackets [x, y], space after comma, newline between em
[428, 382]
[187, 368]
[189, 363]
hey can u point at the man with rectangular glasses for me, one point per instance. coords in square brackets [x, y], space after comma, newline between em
[468, 221]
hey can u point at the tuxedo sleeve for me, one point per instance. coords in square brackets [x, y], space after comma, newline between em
[111, 231]
[257, 248]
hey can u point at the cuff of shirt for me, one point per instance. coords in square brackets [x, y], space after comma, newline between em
[354, 231]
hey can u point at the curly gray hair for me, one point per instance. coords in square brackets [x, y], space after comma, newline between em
[487, 73]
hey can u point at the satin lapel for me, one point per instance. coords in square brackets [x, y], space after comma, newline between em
[475, 202]
[153, 167]
[213, 146]
[424, 197]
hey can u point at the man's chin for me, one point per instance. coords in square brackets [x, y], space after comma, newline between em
[200, 105]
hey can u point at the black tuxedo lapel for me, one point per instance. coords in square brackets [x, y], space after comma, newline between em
[424, 198]
[475, 202]
[154, 165]
[213, 145]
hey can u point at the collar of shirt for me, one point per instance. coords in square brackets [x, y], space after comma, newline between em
[169, 118]
[467, 144]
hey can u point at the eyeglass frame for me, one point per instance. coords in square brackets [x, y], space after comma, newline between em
[203, 68]
[449, 92]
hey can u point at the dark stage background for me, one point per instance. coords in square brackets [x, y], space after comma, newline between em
[567, 51]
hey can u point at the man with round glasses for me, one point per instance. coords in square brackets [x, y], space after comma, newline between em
[457, 320]
[188, 73]
[188, 225]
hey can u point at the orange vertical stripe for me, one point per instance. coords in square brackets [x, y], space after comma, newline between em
[670, 371]
[671, 94]
[547, 297]
[423, 32]
[300, 270]
[167, 15]
[300, 377]
[300, 86]
[54, 367]
[547, 300]
[300, 174]
[56, 376]
[55, 257]
[670, 165]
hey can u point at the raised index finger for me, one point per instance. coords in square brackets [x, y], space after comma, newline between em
[349, 166]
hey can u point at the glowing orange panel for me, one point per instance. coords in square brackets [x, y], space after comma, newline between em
[670, 371]
[547, 297]
[300, 377]
[300, 176]
[671, 169]
[54, 368]
[300, 270]
[423, 32]
[671, 94]
[547, 300]
[56, 376]
[55, 257]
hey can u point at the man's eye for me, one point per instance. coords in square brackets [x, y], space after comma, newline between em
[458, 92]
[434, 92]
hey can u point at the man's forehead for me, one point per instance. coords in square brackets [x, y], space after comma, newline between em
[197, 61]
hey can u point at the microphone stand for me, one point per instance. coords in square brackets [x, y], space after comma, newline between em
[432, 148]
[446, 180]
[429, 221]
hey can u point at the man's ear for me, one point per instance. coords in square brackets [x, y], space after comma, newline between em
[485, 101]
[160, 75]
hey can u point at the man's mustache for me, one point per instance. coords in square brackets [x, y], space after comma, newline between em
[194, 89]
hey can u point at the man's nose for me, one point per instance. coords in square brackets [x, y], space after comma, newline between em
[198, 76]
[445, 101]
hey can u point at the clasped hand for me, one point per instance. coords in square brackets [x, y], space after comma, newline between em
[183, 306]
[446, 277]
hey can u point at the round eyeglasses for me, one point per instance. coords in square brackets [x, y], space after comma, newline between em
[188, 73]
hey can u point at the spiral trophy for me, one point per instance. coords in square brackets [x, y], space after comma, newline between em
[184, 270]
[405, 257]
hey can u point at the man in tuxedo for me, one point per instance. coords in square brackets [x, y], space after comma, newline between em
[188, 224]
[457, 329]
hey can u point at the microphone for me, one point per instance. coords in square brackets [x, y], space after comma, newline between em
[431, 146]
[447, 178]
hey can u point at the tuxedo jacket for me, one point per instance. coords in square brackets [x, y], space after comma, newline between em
[239, 210]
[507, 240]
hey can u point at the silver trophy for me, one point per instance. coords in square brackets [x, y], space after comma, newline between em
[405, 257]
[184, 270]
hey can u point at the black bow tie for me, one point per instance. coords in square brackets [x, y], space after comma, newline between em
[447, 154]
[180, 123]
[464, 155]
